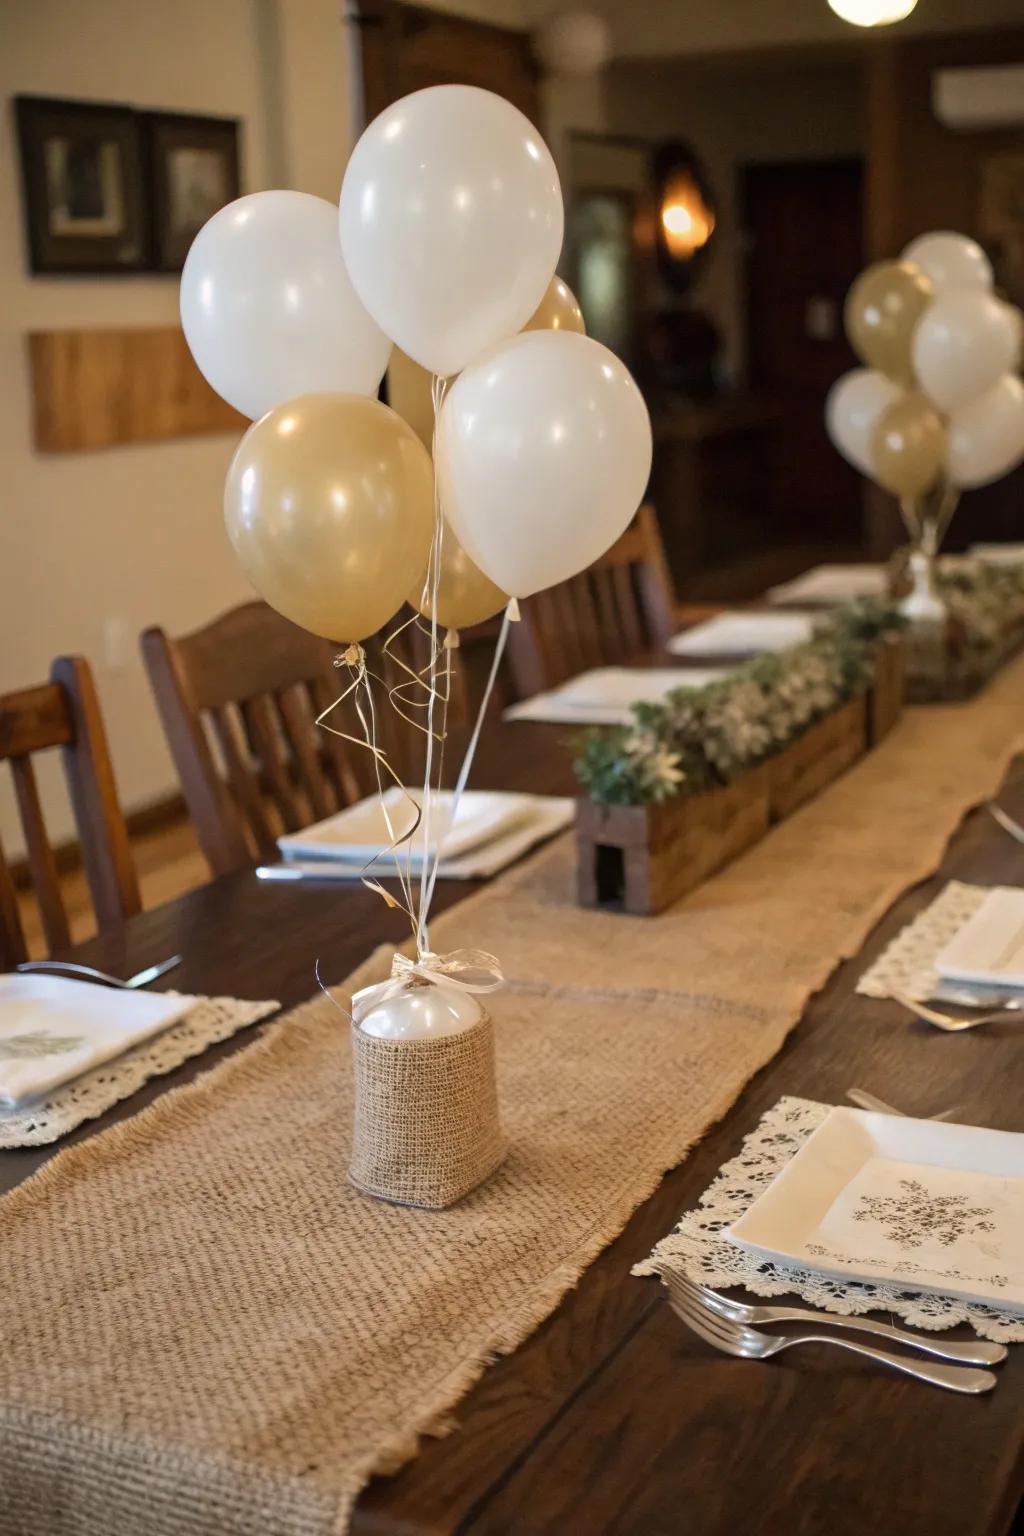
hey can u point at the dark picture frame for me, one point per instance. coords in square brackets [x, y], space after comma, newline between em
[83, 178]
[194, 169]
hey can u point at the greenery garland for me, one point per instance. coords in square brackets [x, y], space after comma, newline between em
[986, 603]
[698, 738]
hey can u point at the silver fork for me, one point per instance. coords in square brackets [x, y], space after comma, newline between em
[871, 1101]
[748, 1344]
[89, 973]
[980, 1352]
[1005, 821]
[953, 1024]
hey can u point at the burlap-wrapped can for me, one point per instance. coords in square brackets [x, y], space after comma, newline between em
[426, 1127]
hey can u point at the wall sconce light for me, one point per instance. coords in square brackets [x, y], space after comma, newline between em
[686, 217]
[872, 13]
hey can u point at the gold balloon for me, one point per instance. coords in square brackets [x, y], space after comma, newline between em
[558, 310]
[908, 446]
[465, 595]
[329, 505]
[882, 309]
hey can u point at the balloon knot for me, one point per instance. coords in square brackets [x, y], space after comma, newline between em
[351, 656]
[513, 610]
[451, 640]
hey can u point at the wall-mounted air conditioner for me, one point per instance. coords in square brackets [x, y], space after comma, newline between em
[990, 97]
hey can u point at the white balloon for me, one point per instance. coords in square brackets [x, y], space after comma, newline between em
[852, 410]
[543, 456]
[268, 309]
[451, 223]
[963, 342]
[953, 262]
[986, 437]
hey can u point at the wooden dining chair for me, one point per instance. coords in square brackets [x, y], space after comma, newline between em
[239, 700]
[64, 713]
[621, 605]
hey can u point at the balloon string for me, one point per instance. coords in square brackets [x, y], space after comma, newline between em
[510, 614]
[355, 659]
[911, 513]
[438, 389]
[948, 501]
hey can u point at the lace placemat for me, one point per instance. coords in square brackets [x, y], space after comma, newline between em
[907, 965]
[699, 1248]
[212, 1019]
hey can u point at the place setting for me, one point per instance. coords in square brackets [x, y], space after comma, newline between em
[857, 1212]
[74, 1041]
[607, 695]
[473, 836]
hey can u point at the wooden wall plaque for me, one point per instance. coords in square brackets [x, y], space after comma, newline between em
[101, 388]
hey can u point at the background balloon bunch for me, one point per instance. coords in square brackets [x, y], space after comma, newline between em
[939, 407]
[445, 243]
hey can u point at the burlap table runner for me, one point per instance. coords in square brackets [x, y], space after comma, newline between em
[208, 1332]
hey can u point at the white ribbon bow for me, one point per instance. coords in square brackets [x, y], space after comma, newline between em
[468, 970]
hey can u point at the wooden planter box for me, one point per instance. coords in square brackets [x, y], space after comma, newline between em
[642, 858]
[887, 693]
[825, 750]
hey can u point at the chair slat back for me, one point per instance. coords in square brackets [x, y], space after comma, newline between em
[619, 606]
[239, 700]
[63, 714]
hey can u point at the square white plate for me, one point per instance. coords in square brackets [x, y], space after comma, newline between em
[925, 1204]
[743, 634]
[549, 814]
[359, 832]
[832, 584]
[990, 945]
[53, 1029]
[998, 554]
[606, 695]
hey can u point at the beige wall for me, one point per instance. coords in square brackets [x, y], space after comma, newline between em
[95, 546]
[734, 115]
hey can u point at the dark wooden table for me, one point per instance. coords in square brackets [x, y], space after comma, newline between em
[612, 1418]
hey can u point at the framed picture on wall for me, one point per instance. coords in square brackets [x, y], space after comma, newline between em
[84, 190]
[194, 170]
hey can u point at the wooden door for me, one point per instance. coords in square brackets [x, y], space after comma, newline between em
[804, 247]
[408, 47]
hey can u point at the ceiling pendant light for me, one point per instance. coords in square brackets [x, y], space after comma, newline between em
[872, 13]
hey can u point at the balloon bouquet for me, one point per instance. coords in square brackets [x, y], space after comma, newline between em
[445, 244]
[939, 407]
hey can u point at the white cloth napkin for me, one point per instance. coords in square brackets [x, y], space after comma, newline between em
[743, 634]
[606, 695]
[933, 1223]
[53, 1029]
[832, 584]
[549, 814]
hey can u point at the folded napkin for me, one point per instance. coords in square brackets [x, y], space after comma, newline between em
[743, 634]
[832, 584]
[937, 1224]
[53, 1029]
[547, 815]
[606, 696]
[998, 554]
